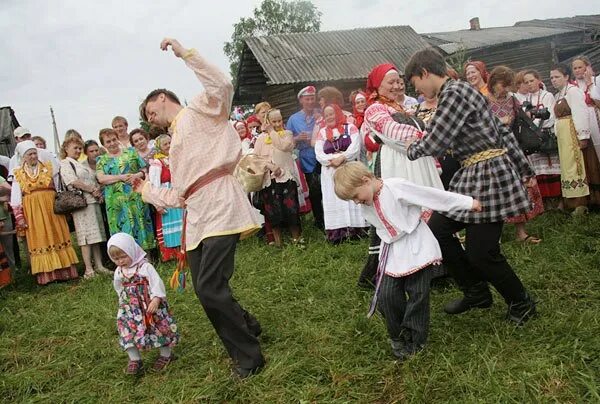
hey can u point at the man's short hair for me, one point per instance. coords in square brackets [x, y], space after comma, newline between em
[152, 96]
[427, 59]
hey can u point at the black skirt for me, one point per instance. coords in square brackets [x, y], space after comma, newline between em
[279, 204]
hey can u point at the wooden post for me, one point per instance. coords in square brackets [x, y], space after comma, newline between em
[56, 139]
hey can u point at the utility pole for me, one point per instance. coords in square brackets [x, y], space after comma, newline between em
[56, 139]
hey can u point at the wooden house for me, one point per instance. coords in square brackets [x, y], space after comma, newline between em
[275, 68]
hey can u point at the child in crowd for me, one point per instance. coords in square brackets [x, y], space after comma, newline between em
[278, 199]
[409, 250]
[143, 319]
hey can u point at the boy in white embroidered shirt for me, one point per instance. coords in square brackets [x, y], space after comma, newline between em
[409, 249]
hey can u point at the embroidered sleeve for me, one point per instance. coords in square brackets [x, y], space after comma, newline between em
[380, 120]
[429, 197]
[154, 172]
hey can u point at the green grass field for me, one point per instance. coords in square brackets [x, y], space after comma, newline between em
[59, 343]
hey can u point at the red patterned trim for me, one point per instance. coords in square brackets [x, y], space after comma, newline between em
[436, 261]
[388, 226]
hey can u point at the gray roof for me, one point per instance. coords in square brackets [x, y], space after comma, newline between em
[333, 55]
[451, 42]
[585, 22]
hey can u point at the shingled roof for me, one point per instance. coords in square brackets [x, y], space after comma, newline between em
[332, 55]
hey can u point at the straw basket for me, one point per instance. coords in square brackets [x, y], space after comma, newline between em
[250, 172]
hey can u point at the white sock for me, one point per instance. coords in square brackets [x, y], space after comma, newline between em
[165, 351]
[134, 354]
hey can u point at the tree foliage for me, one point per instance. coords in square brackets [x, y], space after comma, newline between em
[271, 17]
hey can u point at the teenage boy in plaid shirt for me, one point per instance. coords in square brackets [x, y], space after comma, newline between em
[494, 171]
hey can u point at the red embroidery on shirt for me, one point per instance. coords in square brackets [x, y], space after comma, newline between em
[388, 226]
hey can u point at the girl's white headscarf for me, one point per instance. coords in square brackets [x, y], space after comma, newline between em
[22, 148]
[127, 243]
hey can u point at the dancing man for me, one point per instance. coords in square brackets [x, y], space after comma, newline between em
[204, 152]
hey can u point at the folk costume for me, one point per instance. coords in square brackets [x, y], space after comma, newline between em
[343, 219]
[493, 169]
[205, 150]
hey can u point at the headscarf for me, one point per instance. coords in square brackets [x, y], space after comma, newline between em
[485, 75]
[375, 78]
[359, 116]
[160, 155]
[237, 123]
[22, 148]
[127, 243]
[340, 120]
[480, 66]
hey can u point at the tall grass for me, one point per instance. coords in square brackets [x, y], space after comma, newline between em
[59, 343]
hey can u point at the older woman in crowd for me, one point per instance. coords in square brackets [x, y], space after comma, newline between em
[169, 222]
[338, 142]
[245, 137]
[89, 225]
[117, 170]
[32, 199]
[140, 140]
[579, 168]
[477, 75]
[504, 105]
[383, 94]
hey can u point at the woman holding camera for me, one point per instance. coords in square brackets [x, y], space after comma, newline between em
[540, 106]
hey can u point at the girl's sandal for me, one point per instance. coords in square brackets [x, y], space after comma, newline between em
[299, 242]
[162, 362]
[530, 240]
[134, 368]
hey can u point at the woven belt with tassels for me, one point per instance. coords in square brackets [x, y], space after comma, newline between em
[482, 156]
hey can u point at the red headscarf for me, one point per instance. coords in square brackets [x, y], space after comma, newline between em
[375, 78]
[252, 119]
[479, 65]
[340, 120]
[237, 123]
[359, 116]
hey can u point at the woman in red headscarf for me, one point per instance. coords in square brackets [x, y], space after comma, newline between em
[245, 137]
[337, 143]
[383, 92]
[477, 76]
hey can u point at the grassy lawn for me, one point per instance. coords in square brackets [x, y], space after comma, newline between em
[59, 343]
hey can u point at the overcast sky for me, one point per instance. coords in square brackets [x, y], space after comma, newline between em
[92, 60]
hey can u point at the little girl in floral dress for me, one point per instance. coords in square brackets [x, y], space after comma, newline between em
[143, 319]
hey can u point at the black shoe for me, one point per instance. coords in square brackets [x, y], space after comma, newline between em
[403, 350]
[244, 373]
[521, 311]
[476, 296]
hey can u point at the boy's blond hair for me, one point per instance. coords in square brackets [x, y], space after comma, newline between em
[348, 177]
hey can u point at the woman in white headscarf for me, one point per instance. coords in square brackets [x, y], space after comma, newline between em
[32, 199]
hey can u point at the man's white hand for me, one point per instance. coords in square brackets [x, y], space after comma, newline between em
[178, 50]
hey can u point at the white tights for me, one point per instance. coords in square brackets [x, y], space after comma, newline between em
[134, 353]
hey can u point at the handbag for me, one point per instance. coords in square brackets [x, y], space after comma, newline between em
[549, 143]
[68, 199]
[527, 133]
